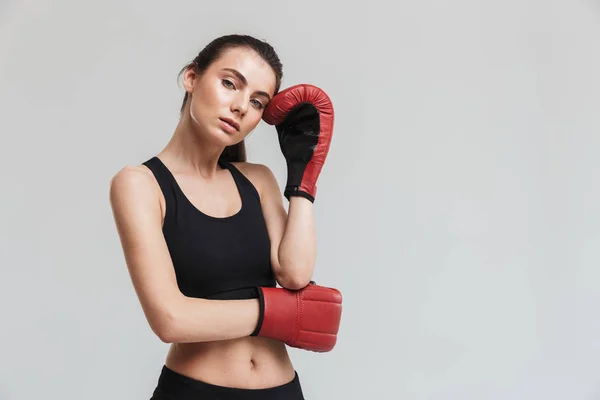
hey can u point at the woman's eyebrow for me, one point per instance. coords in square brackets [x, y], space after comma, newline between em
[242, 79]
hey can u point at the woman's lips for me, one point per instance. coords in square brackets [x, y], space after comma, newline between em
[229, 125]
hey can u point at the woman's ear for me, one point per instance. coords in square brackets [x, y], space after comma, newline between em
[189, 79]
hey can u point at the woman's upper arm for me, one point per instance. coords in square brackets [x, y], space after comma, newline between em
[273, 210]
[137, 213]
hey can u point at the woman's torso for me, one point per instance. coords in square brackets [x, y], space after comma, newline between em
[220, 249]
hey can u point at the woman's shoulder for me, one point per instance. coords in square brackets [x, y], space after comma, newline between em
[132, 175]
[132, 180]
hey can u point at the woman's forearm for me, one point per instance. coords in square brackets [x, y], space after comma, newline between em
[203, 320]
[297, 250]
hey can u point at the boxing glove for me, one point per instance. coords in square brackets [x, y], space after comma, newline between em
[303, 117]
[307, 319]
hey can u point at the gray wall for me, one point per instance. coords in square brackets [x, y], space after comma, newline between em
[457, 211]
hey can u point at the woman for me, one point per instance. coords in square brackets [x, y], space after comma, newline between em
[206, 237]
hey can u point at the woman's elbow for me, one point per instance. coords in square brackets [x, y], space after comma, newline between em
[165, 327]
[166, 335]
[294, 282]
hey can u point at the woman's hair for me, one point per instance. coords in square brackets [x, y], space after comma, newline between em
[213, 51]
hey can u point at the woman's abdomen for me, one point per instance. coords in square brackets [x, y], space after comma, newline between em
[248, 363]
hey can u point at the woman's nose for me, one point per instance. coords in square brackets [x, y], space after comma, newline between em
[240, 104]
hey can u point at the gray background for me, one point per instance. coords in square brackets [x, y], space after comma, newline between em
[457, 211]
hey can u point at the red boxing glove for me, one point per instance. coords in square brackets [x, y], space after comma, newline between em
[303, 118]
[307, 319]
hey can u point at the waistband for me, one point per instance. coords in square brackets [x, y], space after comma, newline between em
[182, 387]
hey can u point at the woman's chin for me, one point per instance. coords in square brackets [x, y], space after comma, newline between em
[226, 139]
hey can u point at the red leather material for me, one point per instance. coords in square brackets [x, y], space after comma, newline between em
[283, 103]
[308, 318]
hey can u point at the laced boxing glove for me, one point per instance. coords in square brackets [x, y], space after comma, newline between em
[308, 318]
[303, 117]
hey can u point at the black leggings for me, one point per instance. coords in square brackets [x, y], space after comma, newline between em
[174, 386]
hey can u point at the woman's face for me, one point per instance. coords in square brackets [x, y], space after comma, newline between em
[228, 99]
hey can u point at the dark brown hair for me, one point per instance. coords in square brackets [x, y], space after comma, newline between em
[213, 51]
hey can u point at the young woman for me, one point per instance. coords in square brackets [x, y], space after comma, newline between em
[206, 237]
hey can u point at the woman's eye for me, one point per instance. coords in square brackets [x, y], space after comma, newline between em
[227, 83]
[257, 103]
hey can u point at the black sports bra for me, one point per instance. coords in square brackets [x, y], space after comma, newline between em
[215, 258]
